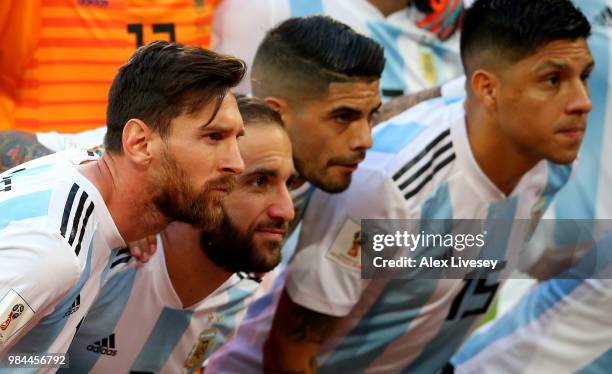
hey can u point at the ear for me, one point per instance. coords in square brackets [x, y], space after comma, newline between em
[281, 106]
[485, 86]
[136, 139]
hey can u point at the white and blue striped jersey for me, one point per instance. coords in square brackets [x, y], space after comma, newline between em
[420, 167]
[56, 241]
[564, 324]
[138, 322]
[415, 58]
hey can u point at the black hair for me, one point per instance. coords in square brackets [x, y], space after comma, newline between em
[302, 56]
[514, 29]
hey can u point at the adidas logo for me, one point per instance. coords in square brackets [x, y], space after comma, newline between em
[105, 346]
[75, 306]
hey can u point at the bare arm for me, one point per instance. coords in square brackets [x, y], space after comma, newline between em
[400, 104]
[17, 147]
[296, 336]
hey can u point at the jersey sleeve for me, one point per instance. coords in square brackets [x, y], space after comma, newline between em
[325, 274]
[37, 269]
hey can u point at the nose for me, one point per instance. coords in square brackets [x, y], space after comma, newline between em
[231, 162]
[579, 99]
[282, 206]
[361, 137]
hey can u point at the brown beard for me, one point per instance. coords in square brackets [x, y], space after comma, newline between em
[176, 199]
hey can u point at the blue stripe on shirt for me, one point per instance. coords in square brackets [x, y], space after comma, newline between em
[303, 8]
[396, 307]
[166, 333]
[100, 321]
[35, 204]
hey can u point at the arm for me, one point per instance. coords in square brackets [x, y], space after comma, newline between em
[295, 338]
[17, 147]
[402, 103]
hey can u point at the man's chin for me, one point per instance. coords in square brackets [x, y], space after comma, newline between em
[333, 183]
[268, 257]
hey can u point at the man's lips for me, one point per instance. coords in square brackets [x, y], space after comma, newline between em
[352, 165]
[272, 230]
[222, 190]
[272, 233]
[574, 132]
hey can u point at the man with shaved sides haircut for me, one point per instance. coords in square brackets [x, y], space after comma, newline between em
[323, 79]
[497, 156]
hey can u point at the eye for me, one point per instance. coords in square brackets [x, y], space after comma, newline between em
[585, 77]
[553, 80]
[214, 136]
[343, 119]
[259, 181]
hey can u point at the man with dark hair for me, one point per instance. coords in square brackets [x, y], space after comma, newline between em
[322, 77]
[563, 324]
[64, 217]
[528, 101]
[199, 279]
[420, 37]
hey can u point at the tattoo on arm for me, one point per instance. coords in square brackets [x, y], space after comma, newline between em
[400, 104]
[295, 339]
[17, 147]
[310, 327]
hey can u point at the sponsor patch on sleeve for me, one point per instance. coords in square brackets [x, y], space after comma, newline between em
[15, 313]
[346, 249]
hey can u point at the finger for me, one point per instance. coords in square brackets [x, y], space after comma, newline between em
[135, 250]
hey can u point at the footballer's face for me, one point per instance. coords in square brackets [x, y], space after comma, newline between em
[330, 135]
[198, 163]
[544, 100]
[258, 211]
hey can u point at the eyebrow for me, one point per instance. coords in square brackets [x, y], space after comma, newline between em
[351, 110]
[345, 109]
[220, 128]
[262, 171]
[560, 66]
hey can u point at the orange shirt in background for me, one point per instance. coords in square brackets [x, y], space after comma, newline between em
[81, 44]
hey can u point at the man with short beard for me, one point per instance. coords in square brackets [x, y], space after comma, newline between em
[172, 313]
[64, 217]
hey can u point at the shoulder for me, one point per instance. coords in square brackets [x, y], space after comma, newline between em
[412, 148]
[38, 257]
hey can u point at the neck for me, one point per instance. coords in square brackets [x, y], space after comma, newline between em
[499, 159]
[123, 189]
[388, 7]
[193, 276]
